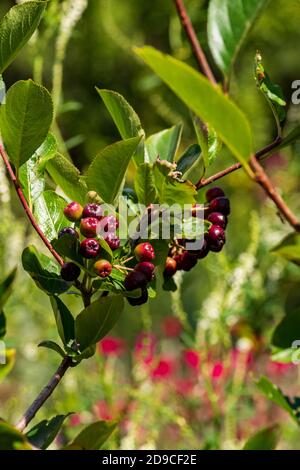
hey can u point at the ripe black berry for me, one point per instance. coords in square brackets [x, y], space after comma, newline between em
[109, 224]
[88, 227]
[103, 268]
[170, 267]
[213, 193]
[135, 280]
[220, 204]
[92, 210]
[89, 248]
[144, 252]
[202, 252]
[112, 240]
[217, 218]
[139, 300]
[69, 231]
[216, 238]
[73, 211]
[147, 269]
[70, 272]
[187, 261]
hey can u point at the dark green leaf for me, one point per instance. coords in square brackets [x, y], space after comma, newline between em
[93, 436]
[170, 285]
[191, 164]
[287, 331]
[25, 119]
[44, 271]
[265, 439]
[144, 184]
[273, 393]
[2, 325]
[16, 28]
[6, 286]
[44, 433]
[94, 322]
[68, 247]
[172, 191]
[289, 248]
[12, 439]
[64, 320]
[49, 213]
[164, 144]
[205, 100]
[53, 346]
[229, 23]
[107, 171]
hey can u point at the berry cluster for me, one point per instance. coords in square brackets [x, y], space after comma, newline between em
[216, 210]
[142, 274]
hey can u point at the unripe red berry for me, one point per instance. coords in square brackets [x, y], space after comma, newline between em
[70, 272]
[187, 261]
[212, 193]
[92, 210]
[217, 218]
[89, 248]
[68, 230]
[89, 227]
[135, 280]
[73, 211]
[216, 238]
[220, 204]
[109, 224]
[103, 268]
[147, 269]
[112, 240]
[170, 267]
[139, 300]
[144, 252]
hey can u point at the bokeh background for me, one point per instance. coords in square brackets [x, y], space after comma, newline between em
[181, 370]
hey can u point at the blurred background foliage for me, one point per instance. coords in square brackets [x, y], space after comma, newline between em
[229, 304]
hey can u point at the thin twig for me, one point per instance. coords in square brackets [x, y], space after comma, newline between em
[192, 37]
[236, 166]
[44, 394]
[28, 212]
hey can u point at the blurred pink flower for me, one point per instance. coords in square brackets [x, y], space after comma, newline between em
[277, 368]
[163, 369]
[184, 386]
[171, 326]
[75, 419]
[217, 370]
[102, 411]
[145, 347]
[112, 346]
[191, 358]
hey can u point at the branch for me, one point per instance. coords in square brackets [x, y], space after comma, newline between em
[259, 155]
[26, 207]
[44, 394]
[195, 44]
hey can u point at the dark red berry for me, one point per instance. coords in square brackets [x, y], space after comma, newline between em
[69, 231]
[139, 300]
[213, 193]
[70, 272]
[92, 210]
[103, 268]
[144, 252]
[187, 261]
[89, 227]
[178, 259]
[147, 269]
[135, 280]
[217, 218]
[109, 224]
[112, 240]
[170, 267]
[202, 252]
[89, 248]
[73, 211]
[216, 238]
[220, 204]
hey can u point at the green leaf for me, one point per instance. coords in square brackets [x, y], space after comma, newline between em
[94, 322]
[265, 439]
[164, 144]
[16, 28]
[64, 320]
[93, 436]
[6, 286]
[125, 118]
[53, 346]
[283, 356]
[273, 93]
[205, 100]
[144, 184]
[172, 191]
[10, 359]
[229, 23]
[107, 171]
[67, 177]
[12, 439]
[2, 325]
[49, 214]
[273, 393]
[44, 433]
[44, 271]
[287, 331]
[289, 248]
[68, 246]
[191, 164]
[25, 119]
